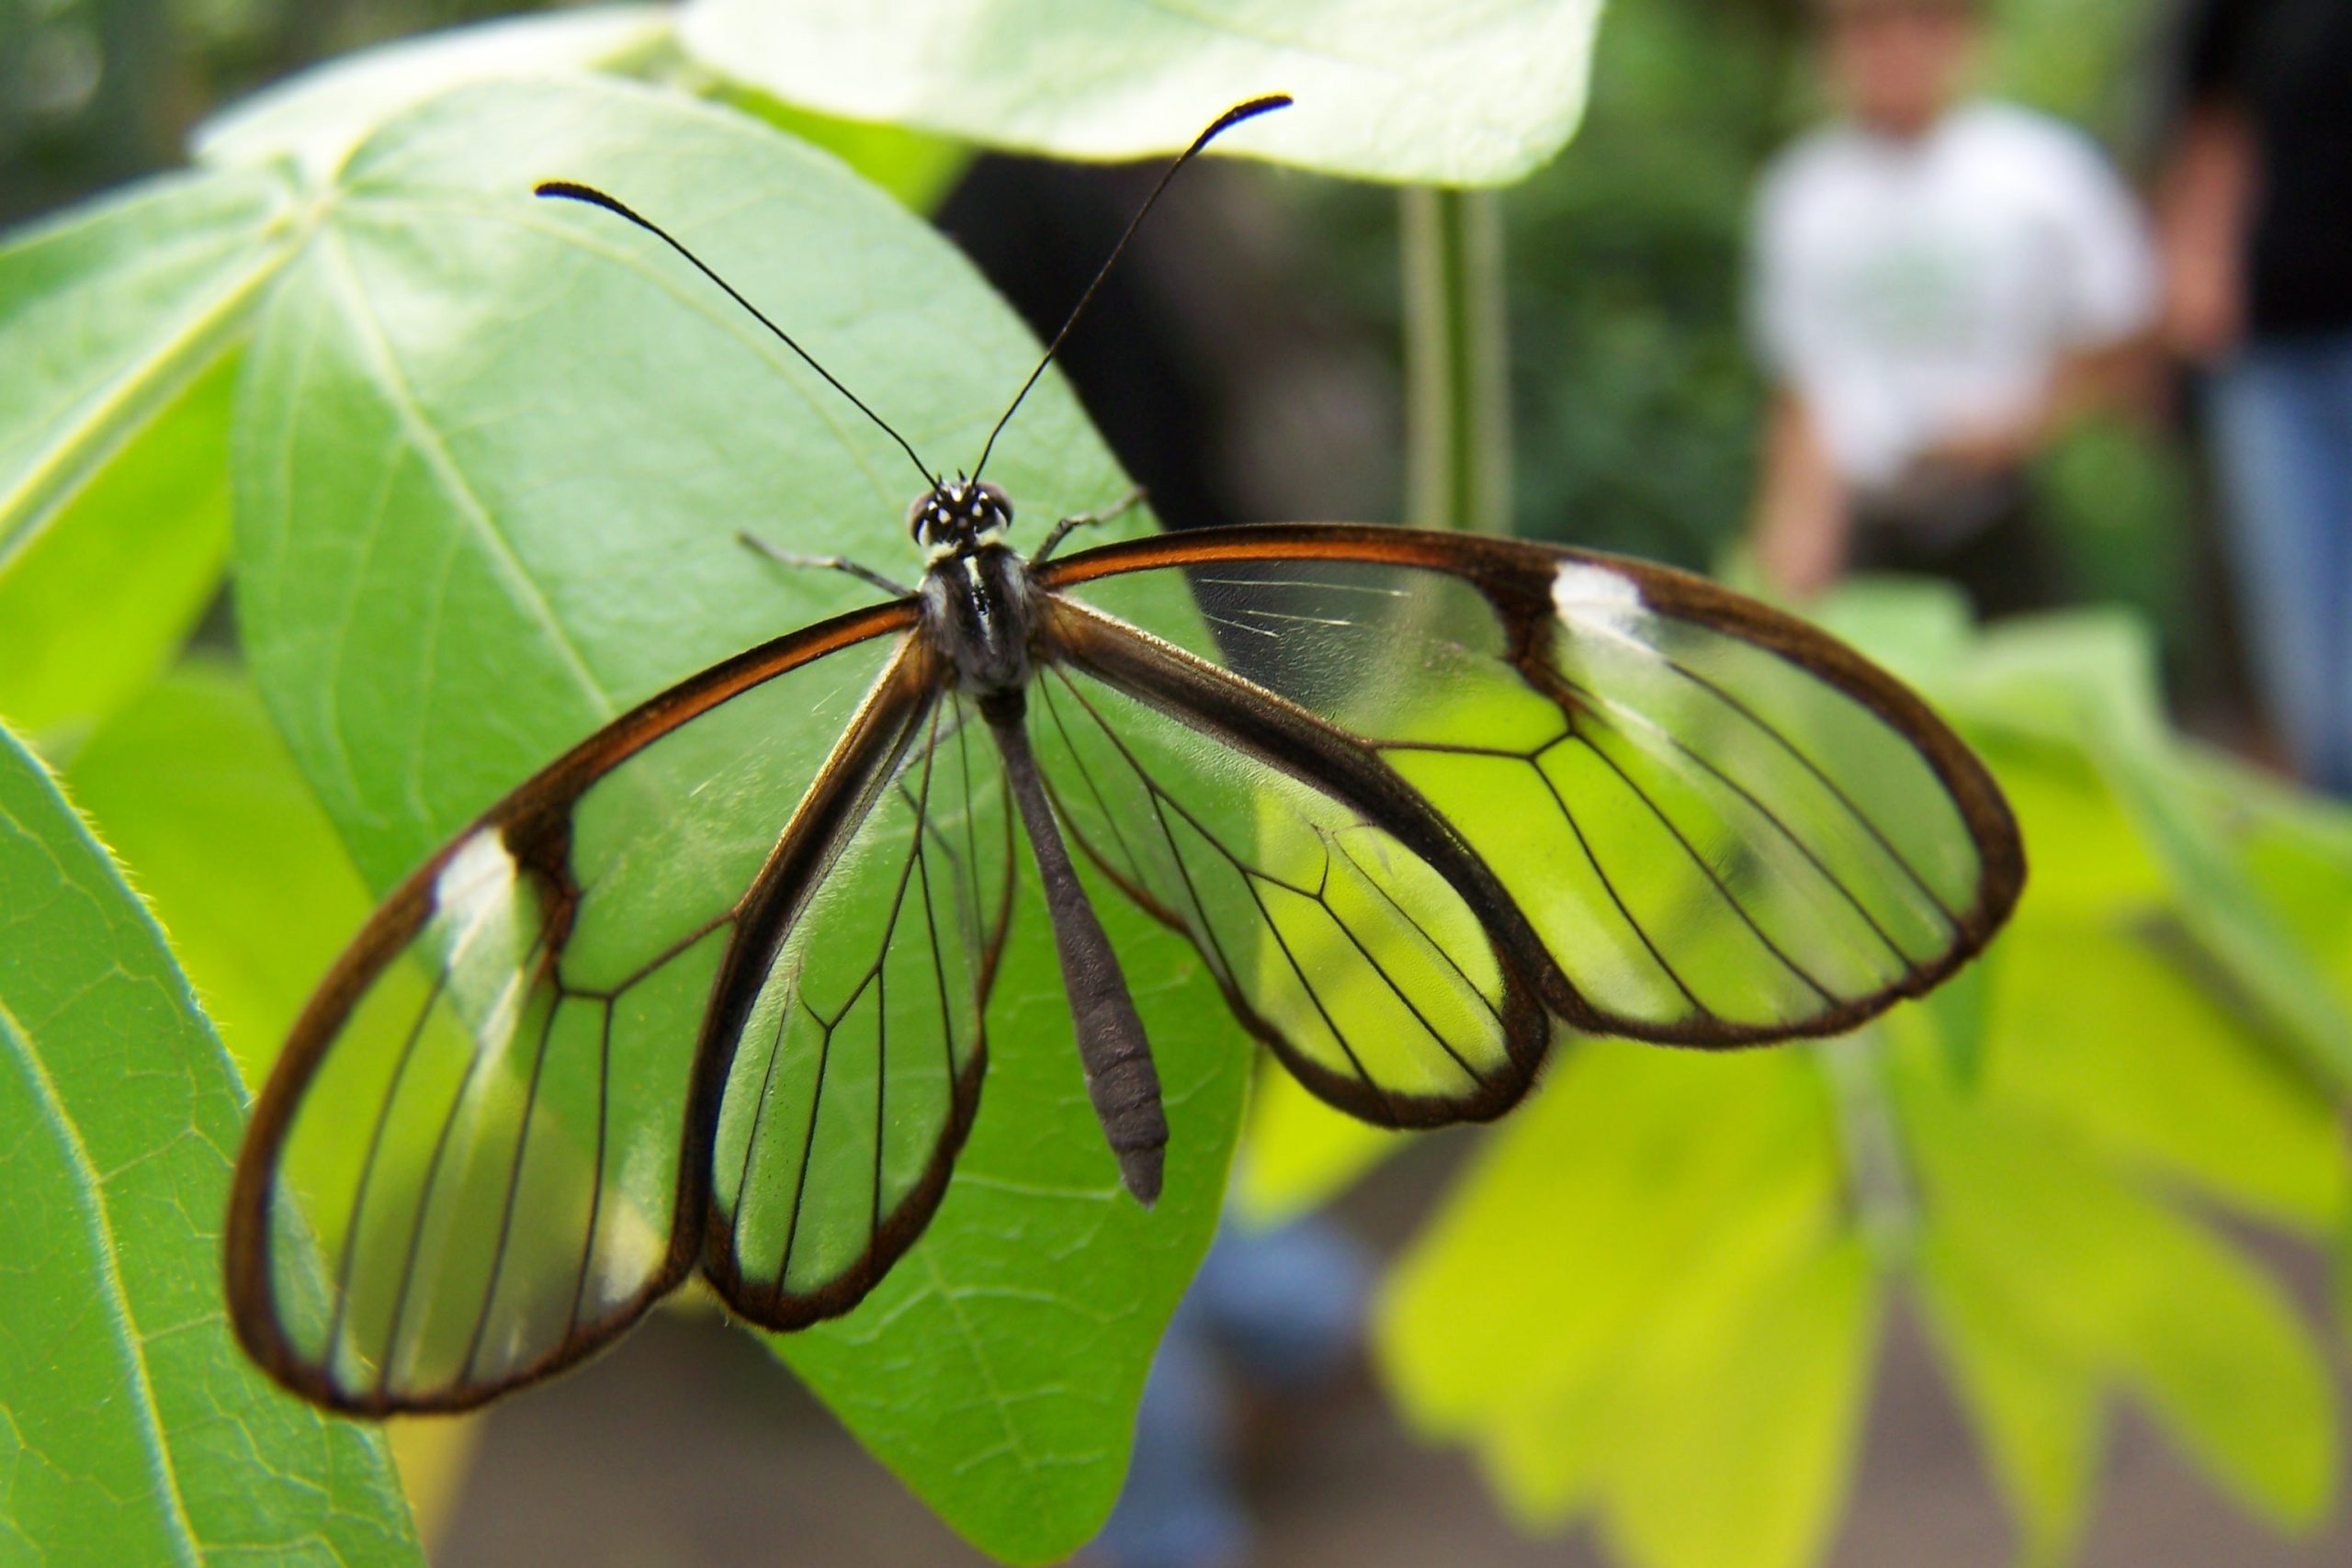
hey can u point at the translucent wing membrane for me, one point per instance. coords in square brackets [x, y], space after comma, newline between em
[860, 1067]
[1351, 929]
[1341, 947]
[487, 1118]
[1721, 826]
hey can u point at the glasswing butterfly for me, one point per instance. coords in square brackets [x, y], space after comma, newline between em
[1417, 799]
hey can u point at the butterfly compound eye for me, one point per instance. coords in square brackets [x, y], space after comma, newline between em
[996, 499]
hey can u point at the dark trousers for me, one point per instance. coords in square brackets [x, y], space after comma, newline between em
[1983, 539]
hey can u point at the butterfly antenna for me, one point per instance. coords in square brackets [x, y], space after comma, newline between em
[1225, 122]
[569, 191]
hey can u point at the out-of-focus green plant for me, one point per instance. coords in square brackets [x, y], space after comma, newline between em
[1655, 1295]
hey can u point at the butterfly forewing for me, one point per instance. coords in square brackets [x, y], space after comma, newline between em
[485, 1122]
[1721, 826]
[859, 1070]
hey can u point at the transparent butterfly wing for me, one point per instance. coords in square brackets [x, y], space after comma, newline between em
[1338, 943]
[862, 1048]
[484, 1120]
[1721, 826]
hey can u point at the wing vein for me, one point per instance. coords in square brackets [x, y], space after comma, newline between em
[514, 1188]
[424, 1198]
[351, 1229]
[1714, 878]
[597, 1188]
[1609, 886]
[1770, 817]
[1869, 826]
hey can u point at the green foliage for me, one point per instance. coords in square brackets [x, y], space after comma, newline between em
[134, 1429]
[2159, 1034]
[487, 496]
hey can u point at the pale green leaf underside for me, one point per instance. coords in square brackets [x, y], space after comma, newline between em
[115, 322]
[132, 1428]
[108, 313]
[1392, 90]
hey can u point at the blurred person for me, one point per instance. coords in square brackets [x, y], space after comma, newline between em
[1940, 283]
[2254, 205]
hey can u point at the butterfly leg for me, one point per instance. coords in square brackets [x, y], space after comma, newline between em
[825, 563]
[1063, 529]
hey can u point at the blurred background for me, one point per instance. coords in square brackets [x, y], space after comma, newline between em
[1252, 369]
[1782, 308]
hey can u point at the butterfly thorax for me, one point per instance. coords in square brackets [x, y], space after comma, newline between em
[979, 610]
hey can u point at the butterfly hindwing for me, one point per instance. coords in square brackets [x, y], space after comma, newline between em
[1723, 826]
[858, 1070]
[484, 1120]
[1342, 920]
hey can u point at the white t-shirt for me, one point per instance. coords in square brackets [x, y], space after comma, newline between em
[1911, 291]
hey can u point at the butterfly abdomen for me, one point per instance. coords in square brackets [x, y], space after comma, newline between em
[1120, 1078]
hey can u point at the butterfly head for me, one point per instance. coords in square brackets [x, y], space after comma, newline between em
[958, 516]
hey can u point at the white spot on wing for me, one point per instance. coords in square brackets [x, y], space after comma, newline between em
[1598, 601]
[485, 924]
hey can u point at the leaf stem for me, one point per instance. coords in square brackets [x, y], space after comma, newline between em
[1878, 1176]
[1457, 385]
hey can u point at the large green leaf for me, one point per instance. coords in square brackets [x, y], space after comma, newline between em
[132, 1428]
[315, 119]
[493, 456]
[114, 324]
[1395, 90]
[916, 166]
